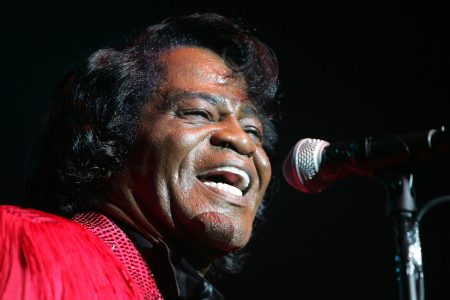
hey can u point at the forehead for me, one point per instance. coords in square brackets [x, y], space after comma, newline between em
[196, 69]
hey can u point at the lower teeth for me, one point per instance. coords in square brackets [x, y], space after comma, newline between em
[224, 187]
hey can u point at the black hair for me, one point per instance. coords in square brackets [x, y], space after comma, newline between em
[92, 121]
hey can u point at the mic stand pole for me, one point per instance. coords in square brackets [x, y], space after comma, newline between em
[401, 211]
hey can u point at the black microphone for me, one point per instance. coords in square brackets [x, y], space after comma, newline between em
[313, 164]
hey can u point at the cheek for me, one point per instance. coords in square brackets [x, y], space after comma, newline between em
[157, 163]
[263, 167]
[183, 152]
[183, 146]
[174, 149]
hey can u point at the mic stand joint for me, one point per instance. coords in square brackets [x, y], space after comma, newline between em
[401, 211]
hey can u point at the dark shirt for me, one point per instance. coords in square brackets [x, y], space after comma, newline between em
[174, 276]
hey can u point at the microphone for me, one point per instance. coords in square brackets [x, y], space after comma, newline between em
[313, 164]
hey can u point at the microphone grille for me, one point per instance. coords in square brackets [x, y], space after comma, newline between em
[303, 162]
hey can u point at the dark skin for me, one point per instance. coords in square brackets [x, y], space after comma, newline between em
[200, 129]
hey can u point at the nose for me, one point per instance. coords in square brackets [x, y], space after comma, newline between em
[231, 135]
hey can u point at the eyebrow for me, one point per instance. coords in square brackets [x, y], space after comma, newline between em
[175, 96]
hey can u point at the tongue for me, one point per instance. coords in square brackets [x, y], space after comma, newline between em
[225, 177]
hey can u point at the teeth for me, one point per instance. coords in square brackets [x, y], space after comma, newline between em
[224, 187]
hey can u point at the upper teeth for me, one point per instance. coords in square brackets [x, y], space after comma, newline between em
[245, 180]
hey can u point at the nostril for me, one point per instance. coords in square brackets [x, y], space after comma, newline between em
[233, 138]
[223, 142]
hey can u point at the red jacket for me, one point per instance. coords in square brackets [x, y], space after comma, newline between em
[44, 256]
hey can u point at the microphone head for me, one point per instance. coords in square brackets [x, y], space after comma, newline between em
[301, 166]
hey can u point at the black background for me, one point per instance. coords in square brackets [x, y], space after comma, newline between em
[347, 71]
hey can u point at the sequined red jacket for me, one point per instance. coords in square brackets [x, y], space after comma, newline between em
[44, 256]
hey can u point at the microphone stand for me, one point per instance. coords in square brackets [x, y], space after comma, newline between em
[401, 211]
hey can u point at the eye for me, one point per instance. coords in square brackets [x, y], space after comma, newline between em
[254, 132]
[196, 113]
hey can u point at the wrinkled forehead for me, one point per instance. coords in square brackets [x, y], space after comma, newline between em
[194, 68]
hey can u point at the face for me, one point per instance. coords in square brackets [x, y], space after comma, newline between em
[198, 171]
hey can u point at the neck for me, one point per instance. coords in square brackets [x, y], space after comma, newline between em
[199, 257]
[138, 221]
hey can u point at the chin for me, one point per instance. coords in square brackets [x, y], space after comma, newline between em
[217, 233]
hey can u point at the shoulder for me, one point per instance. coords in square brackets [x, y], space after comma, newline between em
[44, 256]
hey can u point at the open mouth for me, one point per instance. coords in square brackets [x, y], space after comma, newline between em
[228, 179]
